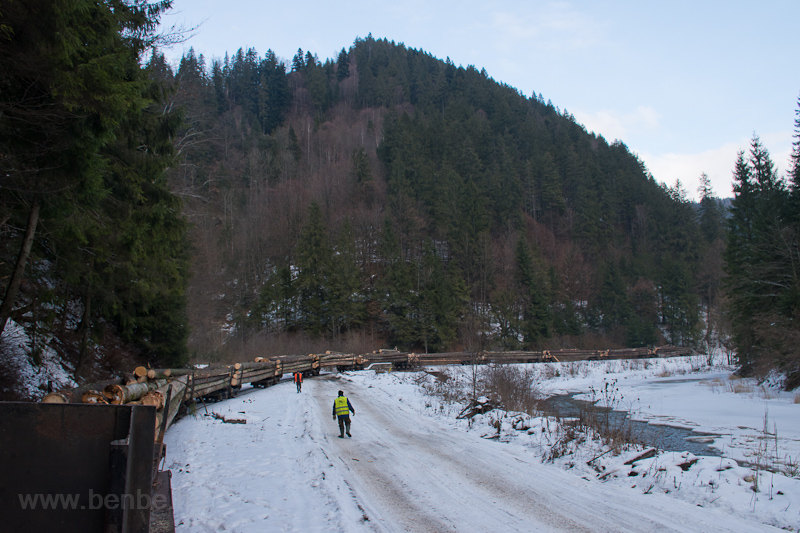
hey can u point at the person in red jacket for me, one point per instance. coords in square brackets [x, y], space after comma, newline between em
[298, 379]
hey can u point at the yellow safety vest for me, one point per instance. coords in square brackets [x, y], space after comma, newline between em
[340, 404]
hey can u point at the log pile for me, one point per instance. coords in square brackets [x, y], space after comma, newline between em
[348, 361]
[154, 386]
[119, 394]
[672, 351]
[398, 359]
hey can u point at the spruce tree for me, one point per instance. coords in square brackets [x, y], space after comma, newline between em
[762, 281]
[343, 66]
[537, 316]
[711, 214]
[346, 298]
[398, 298]
[71, 86]
[313, 262]
[277, 305]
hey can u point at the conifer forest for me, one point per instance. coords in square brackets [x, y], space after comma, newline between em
[380, 198]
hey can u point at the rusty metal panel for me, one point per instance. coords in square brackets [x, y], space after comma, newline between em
[56, 469]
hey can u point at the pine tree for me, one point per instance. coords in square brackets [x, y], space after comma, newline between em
[762, 282]
[398, 299]
[794, 166]
[313, 262]
[298, 61]
[614, 305]
[710, 273]
[71, 86]
[711, 214]
[442, 300]
[537, 316]
[277, 305]
[343, 66]
[346, 298]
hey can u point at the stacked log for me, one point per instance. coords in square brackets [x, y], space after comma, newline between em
[569, 355]
[167, 373]
[337, 359]
[435, 359]
[399, 359]
[150, 386]
[517, 356]
[199, 386]
[259, 371]
[119, 394]
[93, 396]
[176, 394]
[631, 353]
[673, 351]
[76, 395]
[298, 363]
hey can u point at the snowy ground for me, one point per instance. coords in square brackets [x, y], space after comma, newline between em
[411, 466]
[23, 379]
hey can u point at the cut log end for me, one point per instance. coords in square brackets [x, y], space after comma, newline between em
[93, 396]
[114, 394]
[154, 398]
[55, 397]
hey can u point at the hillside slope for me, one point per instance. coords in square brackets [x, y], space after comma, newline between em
[392, 195]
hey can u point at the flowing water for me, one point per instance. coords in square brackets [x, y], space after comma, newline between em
[668, 438]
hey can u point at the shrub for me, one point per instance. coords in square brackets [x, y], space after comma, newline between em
[514, 385]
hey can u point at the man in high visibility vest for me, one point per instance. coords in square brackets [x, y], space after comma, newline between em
[298, 379]
[341, 409]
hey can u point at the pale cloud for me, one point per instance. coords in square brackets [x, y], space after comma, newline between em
[555, 25]
[615, 125]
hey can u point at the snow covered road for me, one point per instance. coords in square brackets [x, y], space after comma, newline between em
[287, 470]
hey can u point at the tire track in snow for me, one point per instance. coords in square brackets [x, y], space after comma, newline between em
[286, 470]
[414, 478]
[413, 473]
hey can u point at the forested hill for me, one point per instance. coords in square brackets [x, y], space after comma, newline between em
[389, 196]
[154, 213]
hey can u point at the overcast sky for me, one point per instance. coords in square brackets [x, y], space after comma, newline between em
[684, 84]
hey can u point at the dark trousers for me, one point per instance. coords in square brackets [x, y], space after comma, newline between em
[344, 421]
[299, 385]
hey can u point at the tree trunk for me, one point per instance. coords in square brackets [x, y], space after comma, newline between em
[16, 278]
[83, 328]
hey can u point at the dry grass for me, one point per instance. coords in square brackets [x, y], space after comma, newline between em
[514, 386]
[740, 387]
[797, 397]
[767, 393]
[442, 386]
